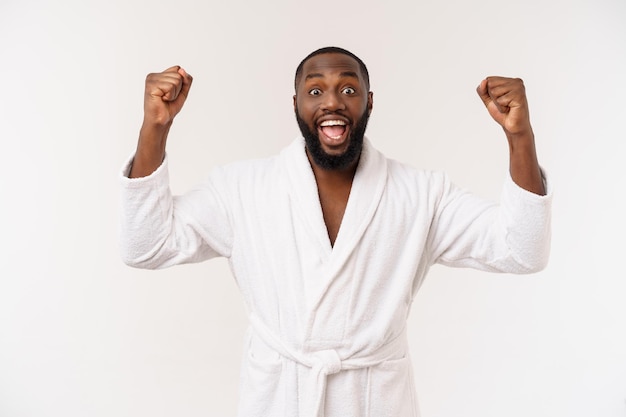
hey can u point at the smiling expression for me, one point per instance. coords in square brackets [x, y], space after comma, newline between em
[332, 105]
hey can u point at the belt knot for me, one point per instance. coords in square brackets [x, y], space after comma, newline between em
[327, 361]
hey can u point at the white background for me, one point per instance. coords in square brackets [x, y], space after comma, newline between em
[81, 334]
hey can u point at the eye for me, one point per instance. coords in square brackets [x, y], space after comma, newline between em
[349, 91]
[315, 92]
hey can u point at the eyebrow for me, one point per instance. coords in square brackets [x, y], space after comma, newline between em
[343, 74]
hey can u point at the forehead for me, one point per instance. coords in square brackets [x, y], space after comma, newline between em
[330, 64]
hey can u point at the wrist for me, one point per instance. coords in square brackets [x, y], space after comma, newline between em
[520, 139]
[153, 134]
[154, 128]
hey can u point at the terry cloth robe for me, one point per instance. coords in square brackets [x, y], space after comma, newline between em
[327, 332]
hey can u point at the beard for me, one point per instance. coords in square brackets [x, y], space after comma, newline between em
[334, 162]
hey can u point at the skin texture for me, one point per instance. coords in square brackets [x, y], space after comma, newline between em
[332, 87]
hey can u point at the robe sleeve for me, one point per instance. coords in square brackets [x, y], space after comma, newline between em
[512, 236]
[158, 230]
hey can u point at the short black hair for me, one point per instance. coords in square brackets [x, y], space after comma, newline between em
[332, 50]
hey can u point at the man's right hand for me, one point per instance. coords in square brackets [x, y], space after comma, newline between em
[164, 97]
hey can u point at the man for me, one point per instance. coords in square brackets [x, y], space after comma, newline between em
[329, 241]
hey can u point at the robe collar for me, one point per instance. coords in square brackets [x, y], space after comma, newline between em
[365, 195]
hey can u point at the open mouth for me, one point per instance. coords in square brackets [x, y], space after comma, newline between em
[333, 132]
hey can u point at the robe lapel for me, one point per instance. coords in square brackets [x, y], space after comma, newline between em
[367, 189]
[303, 193]
[365, 195]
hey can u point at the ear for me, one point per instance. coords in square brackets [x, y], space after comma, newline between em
[370, 102]
[295, 106]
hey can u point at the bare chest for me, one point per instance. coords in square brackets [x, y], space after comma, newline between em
[333, 202]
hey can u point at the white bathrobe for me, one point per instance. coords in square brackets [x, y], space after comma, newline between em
[327, 330]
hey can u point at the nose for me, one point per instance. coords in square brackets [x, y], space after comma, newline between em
[333, 101]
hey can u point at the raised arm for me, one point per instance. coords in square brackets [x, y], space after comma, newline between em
[164, 97]
[505, 99]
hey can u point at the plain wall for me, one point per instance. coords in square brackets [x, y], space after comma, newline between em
[81, 334]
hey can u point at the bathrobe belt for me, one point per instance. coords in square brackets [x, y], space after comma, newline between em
[326, 362]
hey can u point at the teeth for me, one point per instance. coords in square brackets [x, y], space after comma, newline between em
[333, 123]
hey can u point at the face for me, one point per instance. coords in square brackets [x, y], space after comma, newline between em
[332, 105]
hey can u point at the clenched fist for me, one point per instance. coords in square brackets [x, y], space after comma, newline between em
[505, 99]
[165, 95]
